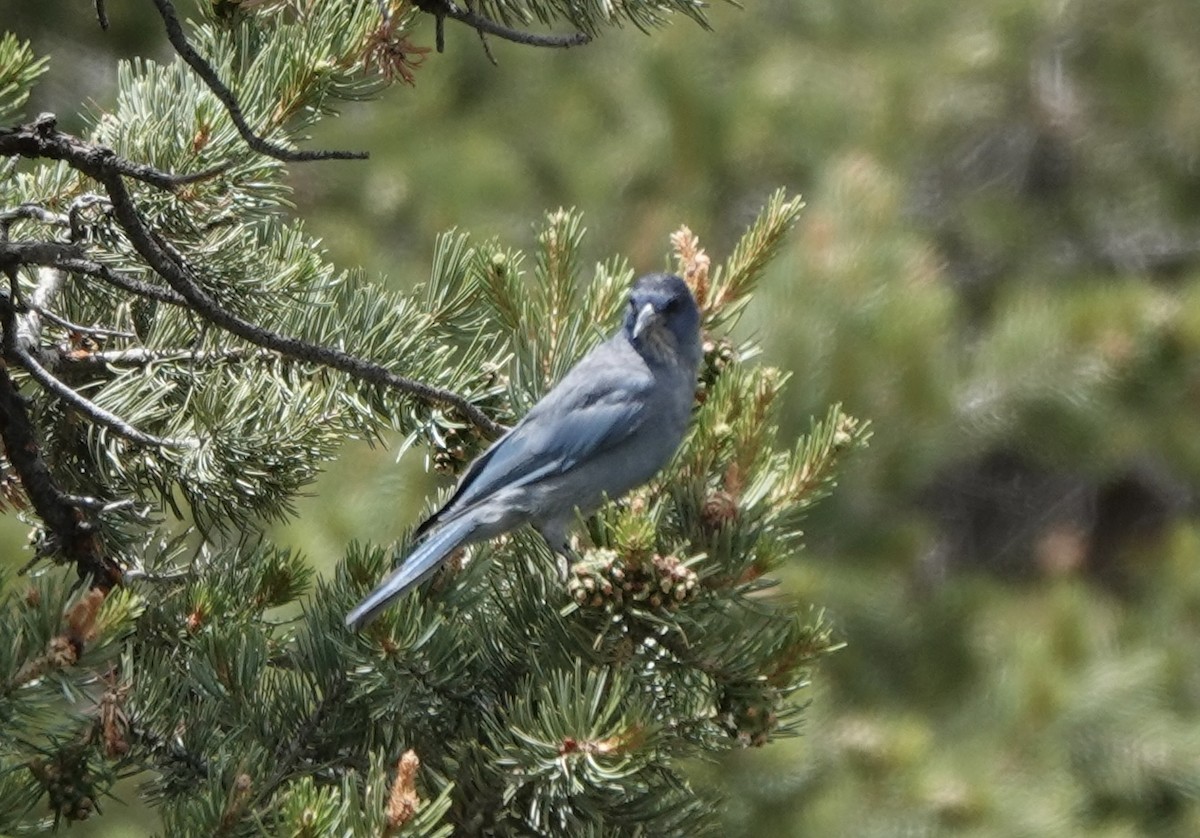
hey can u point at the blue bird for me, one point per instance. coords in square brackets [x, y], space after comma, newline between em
[613, 421]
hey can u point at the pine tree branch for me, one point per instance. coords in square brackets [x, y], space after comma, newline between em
[140, 356]
[17, 331]
[74, 535]
[22, 333]
[172, 268]
[143, 357]
[46, 254]
[208, 75]
[70, 258]
[71, 220]
[96, 331]
[484, 25]
[93, 411]
[41, 138]
[33, 211]
[169, 754]
[121, 280]
[29, 323]
[301, 740]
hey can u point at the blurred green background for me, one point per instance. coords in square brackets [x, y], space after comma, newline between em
[999, 266]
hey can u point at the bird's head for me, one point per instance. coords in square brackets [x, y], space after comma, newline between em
[663, 319]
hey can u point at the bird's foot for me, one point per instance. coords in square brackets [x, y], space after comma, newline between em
[566, 556]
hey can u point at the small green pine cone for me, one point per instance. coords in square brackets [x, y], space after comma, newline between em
[719, 353]
[751, 719]
[450, 453]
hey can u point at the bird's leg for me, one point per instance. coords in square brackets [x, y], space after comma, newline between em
[566, 556]
[560, 545]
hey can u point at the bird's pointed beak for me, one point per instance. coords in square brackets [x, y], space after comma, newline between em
[646, 318]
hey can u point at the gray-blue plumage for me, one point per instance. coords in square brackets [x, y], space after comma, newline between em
[612, 422]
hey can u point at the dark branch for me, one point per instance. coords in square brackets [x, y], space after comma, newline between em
[99, 164]
[69, 529]
[15, 352]
[307, 737]
[447, 8]
[73, 220]
[68, 257]
[43, 254]
[101, 15]
[41, 138]
[140, 356]
[180, 278]
[205, 71]
[121, 280]
[33, 211]
[97, 331]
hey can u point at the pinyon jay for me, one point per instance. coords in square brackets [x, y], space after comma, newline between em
[612, 422]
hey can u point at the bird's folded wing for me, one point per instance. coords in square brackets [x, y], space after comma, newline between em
[578, 420]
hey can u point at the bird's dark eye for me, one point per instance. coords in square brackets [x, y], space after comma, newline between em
[672, 305]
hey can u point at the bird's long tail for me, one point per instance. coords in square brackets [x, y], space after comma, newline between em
[415, 569]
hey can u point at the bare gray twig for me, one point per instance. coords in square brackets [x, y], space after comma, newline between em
[89, 408]
[447, 8]
[208, 75]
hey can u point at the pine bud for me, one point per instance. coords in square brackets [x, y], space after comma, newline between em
[403, 801]
[62, 652]
[843, 434]
[718, 355]
[720, 508]
[750, 718]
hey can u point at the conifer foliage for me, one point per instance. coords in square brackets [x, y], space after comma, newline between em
[180, 358]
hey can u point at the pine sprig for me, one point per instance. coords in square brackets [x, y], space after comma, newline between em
[548, 318]
[811, 471]
[19, 71]
[734, 280]
[57, 642]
